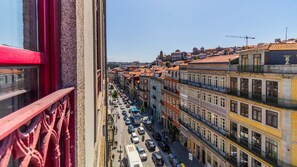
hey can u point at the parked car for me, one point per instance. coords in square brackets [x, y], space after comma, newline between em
[127, 121]
[157, 159]
[125, 117]
[122, 107]
[131, 128]
[127, 106]
[163, 146]
[150, 145]
[157, 136]
[171, 156]
[141, 131]
[134, 138]
[141, 153]
[124, 112]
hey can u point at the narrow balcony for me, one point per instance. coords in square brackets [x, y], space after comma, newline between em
[41, 133]
[203, 85]
[277, 69]
[250, 68]
[265, 156]
[204, 140]
[173, 90]
[205, 122]
[268, 100]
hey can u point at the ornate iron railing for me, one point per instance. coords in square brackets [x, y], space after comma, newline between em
[40, 134]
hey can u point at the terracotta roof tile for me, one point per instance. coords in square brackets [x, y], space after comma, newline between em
[216, 59]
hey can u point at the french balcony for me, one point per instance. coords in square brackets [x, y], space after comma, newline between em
[203, 85]
[255, 149]
[40, 134]
[251, 68]
[205, 122]
[154, 87]
[271, 101]
[204, 140]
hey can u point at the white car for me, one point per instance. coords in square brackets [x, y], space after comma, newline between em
[122, 107]
[141, 153]
[134, 138]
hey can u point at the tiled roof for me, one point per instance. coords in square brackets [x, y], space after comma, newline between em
[216, 59]
[176, 68]
[283, 46]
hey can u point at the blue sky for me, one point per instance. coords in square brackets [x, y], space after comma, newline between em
[139, 29]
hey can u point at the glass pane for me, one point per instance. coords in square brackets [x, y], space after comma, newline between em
[19, 86]
[19, 24]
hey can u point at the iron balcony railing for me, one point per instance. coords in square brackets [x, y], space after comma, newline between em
[268, 157]
[41, 133]
[203, 85]
[204, 140]
[272, 101]
[205, 122]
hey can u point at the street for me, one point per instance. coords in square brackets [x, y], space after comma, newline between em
[123, 138]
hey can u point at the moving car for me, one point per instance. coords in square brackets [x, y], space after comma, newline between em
[134, 138]
[131, 128]
[150, 145]
[163, 146]
[157, 159]
[141, 131]
[127, 121]
[141, 153]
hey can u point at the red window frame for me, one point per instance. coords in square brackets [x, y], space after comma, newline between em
[48, 56]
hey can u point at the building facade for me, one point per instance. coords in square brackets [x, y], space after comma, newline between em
[144, 94]
[170, 101]
[57, 95]
[262, 106]
[203, 107]
[156, 85]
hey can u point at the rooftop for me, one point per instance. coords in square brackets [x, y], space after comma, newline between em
[216, 59]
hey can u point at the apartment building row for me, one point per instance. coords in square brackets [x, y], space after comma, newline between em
[228, 110]
[240, 110]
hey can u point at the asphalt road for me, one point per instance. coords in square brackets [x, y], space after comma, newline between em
[123, 139]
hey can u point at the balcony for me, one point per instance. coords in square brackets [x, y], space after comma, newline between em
[41, 133]
[171, 90]
[154, 97]
[265, 156]
[251, 68]
[204, 140]
[154, 87]
[278, 69]
[205, 122]
[268, 100]
[205, 86]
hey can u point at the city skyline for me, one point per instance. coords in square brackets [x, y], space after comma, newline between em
[141, 32]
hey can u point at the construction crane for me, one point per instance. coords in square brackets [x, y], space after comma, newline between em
[245, 37]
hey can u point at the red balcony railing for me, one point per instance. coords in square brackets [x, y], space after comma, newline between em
[40, 134]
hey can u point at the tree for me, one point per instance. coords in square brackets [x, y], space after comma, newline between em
[115, 94]
[142, 109]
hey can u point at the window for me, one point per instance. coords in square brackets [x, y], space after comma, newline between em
[215, 120]
[209, 80]
[209, 98]
[243, 159]
[257, 89]
[256, 141]
[197, 110]
[203, 114]
[222, 82]
[271, 149]
[203, 96]
[197, 127]
[233, 153]
[209, 136]
[244, 109]
[233, 106]
[256, 163]
[271, 91]
[198, 95]
[209, 116]
[244, 135]
[215, 140]
[223, 102]
[216, 82]
[223, 145]
[244, 87]
[203, 79]
[204, 132]
[272, 118]
[257, 114]
[215, 100]
[223, 123]
[233, 85]
[209, 159]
